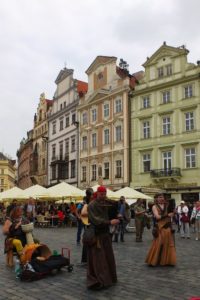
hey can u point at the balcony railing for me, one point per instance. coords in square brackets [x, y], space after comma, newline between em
[172, 172]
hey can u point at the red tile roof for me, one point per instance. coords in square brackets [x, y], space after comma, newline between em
[82, 87]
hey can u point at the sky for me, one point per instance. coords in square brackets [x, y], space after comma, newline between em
[39, 37]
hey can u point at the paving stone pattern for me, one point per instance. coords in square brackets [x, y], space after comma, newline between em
[135, 280]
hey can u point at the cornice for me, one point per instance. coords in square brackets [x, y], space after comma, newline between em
[161, 86]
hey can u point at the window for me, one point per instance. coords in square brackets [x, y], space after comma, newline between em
[54, 129]
[167, 160]
[168, 70]
[94, 140]
[53, 152]
[84, 118]
[73, 118]
[106, 136]
[118, 105]
[118, 133]
[166, 125]
[146, 130]
[146, 102]
[118, 169]
[61, 125]
[94, 172]
[166, 97]
[61, 151]
[53, 170]
[73, 168]
[84, 143]
[2, 181]
[190, 158]
[106, 170]
[160, 72]
[84, 172]
[73, 144]
[188, 91]
[66, 147]
[146, 162]
[189, 121]
[106, 110]
[66, 170]
[67, 121]
[2, 171]
[94, 115]
[60, 106]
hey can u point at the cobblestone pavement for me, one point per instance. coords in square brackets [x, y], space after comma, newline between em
[135, 280]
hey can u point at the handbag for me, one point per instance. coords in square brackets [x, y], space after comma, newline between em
[155, 231]
[185, 219]
[89, 236]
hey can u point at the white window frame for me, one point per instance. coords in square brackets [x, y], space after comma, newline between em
[84, 173]
[118, 105]
[106, 136]
[189, 121]
[106, 110]
[94, 172]
[190, 158]
[94, 114]
[167, 160]
[146, 129]
[188, 91]
[106, 167]
[94, 140]
[166, 125]
[118, 164]
[84, 143]
[84, 118]
[118, 133]
[146, 160]
[146, 102]
[166, 97]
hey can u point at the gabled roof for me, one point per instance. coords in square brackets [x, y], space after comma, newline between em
[63, 74]
[165, 50]
[82, 87]
[100, 60]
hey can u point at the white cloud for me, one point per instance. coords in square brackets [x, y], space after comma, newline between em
[38, 37]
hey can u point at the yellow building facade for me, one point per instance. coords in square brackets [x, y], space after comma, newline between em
[165, 127]
[7, 173]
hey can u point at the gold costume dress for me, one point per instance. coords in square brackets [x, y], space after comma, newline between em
[162, 251]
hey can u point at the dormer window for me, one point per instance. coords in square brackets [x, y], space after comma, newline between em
[160, 72]
[165, 71]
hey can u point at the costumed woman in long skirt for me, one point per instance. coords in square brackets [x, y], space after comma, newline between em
[162, 251]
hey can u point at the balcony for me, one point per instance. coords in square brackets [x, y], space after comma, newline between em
[173, 173]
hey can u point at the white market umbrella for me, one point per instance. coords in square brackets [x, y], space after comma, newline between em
[13, 193]
[65, 190]
[130, 193]
[110, 194]
[37, 192]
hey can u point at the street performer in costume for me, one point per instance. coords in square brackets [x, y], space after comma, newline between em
[162, 251]
[101, 270]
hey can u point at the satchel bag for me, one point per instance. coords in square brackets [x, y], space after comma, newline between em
[89, 236]
[155, 232]
[185, 219]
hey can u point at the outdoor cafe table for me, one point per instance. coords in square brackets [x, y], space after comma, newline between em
[53, 220]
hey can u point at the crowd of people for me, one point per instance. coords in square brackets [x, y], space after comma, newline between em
[101, 221]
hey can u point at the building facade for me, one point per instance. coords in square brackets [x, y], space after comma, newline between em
[38, 158]
[7, 173]
[165, 127]
[23, 167]
[63, 147]
[104, 127]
